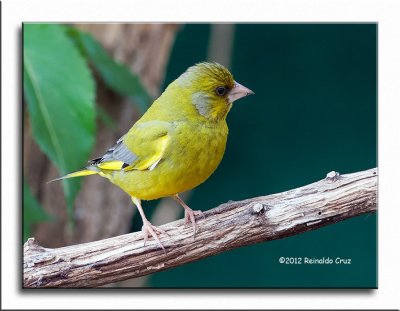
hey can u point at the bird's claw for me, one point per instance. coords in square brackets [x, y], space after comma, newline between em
[148, 229]
[190, 217]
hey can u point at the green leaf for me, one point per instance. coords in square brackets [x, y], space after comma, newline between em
[116, 76]
[60, 92]
[33, 212]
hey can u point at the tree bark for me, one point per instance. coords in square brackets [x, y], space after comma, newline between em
[228, 226]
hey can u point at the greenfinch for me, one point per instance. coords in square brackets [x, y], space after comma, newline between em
[176, 145]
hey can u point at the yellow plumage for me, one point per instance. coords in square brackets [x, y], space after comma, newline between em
[177, 144]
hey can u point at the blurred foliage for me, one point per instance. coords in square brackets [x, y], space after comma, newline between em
[59, 89]
[33, 213]
[105, 118]
[116, 76]
[60, 93]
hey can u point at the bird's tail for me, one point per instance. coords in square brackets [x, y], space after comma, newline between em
[85, 172]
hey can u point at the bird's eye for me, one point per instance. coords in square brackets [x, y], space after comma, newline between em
[221, 90]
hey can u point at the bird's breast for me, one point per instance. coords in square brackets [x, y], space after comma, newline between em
[192, 158]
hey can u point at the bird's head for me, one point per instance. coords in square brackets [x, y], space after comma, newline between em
[212, 89]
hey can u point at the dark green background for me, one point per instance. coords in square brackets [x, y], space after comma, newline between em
[314, 111]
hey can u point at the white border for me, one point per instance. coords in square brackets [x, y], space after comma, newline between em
[384, 12]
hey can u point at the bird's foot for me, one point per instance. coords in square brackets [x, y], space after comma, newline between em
[149, 230]
[190, 217]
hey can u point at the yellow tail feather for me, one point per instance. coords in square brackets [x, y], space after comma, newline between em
[76, 174]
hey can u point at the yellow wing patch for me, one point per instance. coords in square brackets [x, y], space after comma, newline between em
[147, 142]
[150, 162]
[111, 165]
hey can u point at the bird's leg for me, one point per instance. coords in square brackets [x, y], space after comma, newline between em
[147, 228]
[189, 213]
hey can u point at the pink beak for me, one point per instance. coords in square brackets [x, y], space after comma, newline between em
[238, 92]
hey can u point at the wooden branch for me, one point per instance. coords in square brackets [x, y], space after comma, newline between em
[228, 226]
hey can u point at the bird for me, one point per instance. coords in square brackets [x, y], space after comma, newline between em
[176, 144]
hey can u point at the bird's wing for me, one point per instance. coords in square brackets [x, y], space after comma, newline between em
[141, 148]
